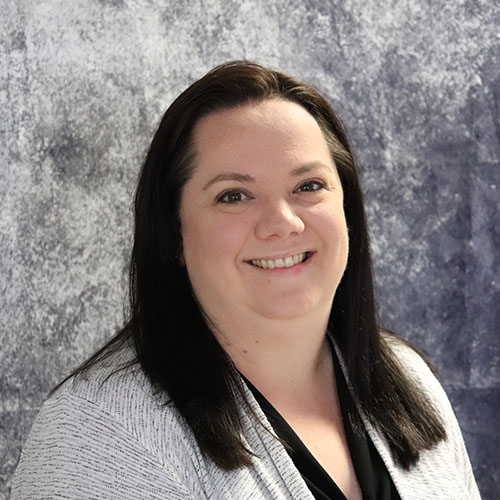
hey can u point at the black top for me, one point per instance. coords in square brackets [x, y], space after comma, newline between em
[373, 477]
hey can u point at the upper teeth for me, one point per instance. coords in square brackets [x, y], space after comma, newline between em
[276, 263]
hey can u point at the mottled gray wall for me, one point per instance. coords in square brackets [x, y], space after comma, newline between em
[82, 85]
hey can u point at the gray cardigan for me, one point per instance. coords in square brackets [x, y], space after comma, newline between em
[109, 436]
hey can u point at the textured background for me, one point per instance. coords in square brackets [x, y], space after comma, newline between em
[82, 87]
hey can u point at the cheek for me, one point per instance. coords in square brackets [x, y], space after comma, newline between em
[331, 220]
[333, 228]
[229, 235]
[214, 238]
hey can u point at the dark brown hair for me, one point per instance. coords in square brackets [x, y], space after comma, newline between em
[175, 346]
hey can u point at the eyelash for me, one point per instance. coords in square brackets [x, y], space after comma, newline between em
[225, 194]
[229, 192]
[308, 183]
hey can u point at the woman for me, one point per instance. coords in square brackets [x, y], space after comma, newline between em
[252, 365]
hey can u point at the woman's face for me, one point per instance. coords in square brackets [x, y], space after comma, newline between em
[262, 220]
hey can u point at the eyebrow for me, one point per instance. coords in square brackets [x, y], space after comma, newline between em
[313, 165]
[229, 176]
[245, 178]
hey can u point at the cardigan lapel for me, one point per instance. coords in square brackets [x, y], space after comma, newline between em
[434, 476]
[273, 464]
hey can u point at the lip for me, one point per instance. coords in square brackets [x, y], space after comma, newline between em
[296, 268]
[280, 256]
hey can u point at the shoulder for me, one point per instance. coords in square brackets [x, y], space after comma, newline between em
[119, 392]
[451, 451]
[413, 362]
[419, 371]
[102, 425]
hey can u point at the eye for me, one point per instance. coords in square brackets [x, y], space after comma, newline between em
[232, 196]
[310, 186]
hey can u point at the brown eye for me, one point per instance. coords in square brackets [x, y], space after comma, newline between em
[232, 197]
[310, 186]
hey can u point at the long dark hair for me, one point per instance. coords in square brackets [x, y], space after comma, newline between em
[176, 348]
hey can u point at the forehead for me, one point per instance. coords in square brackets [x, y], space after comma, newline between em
[272, 127]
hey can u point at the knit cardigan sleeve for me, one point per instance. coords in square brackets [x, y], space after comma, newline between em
[76, 450]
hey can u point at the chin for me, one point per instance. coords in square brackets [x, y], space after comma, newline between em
[287, 308]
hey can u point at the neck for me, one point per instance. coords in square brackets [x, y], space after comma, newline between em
[279, 357]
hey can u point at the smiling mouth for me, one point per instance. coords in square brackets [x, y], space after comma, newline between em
[280, 263]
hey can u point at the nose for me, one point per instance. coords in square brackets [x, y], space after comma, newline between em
[278, 220]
